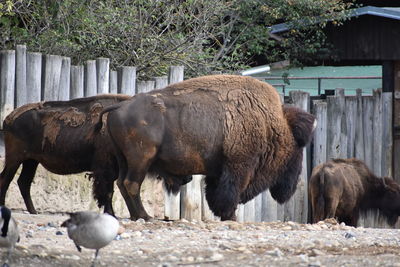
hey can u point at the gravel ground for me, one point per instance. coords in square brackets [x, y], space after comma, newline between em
[182, 243]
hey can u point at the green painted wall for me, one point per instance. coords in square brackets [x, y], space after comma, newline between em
[367, 85]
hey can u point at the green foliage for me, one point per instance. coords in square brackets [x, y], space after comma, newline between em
[202, 35]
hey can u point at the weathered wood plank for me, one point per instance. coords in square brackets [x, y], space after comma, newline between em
[113, 82]
[320, 135]
[7, 83]
[65, 79]
[33, 77]
[351, 117]
[145, 86]
[20, 76]
[191, 199]
[359, 151]
[77, 82]
[127, 80]
[302, 100]
[160, 82]
[51, 77]
[269, 210]
[90, 78]
[387, 135]
[103, 75]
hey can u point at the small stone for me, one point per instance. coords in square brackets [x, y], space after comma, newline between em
[125, 235]
[276, 252]
[137, 234]
[59, 233]
[118, 237]
[349, 235]
[141, 220]
[51, 224]
[304, 258]
[73, 257]
[316, 252]
[216, 257]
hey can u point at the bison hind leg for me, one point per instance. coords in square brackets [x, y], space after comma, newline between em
[222, 195]
[25, 181]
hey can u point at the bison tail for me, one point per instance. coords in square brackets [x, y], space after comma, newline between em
[301, 123]
[99, 124]
[319, 209]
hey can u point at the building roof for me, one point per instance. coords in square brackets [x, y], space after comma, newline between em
[387, 12]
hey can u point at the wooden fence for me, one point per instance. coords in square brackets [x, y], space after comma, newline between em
[348, 126]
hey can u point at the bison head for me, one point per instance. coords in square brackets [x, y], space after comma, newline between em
[390, 200]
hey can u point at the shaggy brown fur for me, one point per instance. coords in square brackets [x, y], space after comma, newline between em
[342, 188]
[232, 129]
[59, 135]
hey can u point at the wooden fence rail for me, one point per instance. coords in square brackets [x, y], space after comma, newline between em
[348, 126]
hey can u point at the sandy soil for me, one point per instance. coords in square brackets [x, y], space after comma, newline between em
[182, 243]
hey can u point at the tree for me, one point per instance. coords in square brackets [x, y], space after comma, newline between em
[202, 35]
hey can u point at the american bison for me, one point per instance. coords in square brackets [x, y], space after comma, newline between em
[233, 129]
[59, 135]
[344, 188]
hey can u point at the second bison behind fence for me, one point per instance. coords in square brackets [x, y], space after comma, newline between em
[344, 188]
[233, 129]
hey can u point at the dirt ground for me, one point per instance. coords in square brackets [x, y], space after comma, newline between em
[182, 243]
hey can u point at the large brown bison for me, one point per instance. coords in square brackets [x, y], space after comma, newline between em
[233, 129]
[59, 135]
[344, 188]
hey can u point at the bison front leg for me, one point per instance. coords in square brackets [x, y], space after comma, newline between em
[6, 177]
[222, 194]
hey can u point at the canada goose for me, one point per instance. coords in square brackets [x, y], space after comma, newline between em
[91, 230]
[9, 232]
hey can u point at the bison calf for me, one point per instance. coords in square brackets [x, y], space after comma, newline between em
[343, 188]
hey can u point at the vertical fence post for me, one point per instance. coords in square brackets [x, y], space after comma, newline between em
[20, 76]
[145, 86]
[77, 82]
[191, 199]
[65, 79]
[368, 114]
[320, 138]
[302, 100]
[249, 213]
[127, 80]
[113, 82]
[161, 82]
[90, 78]
[103, 75]
[377, 133]
[51, 77]
[335, 126]
[359, 134]
[172, 202]
[269, 208]
[33, 77]
[7, 83]
[387, 137]
[175, 74]
[351, 117]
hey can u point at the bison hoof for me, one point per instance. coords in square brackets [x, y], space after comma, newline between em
[144, 218]
[33, 211]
